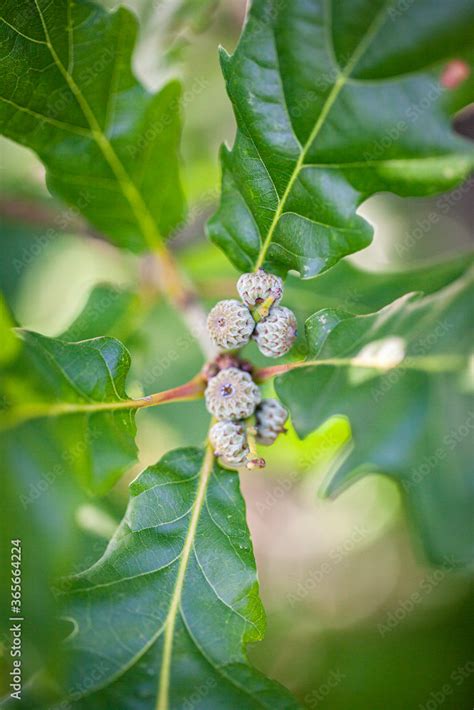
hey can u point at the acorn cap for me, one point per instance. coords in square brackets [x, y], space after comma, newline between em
[230, 324]
[232, 394]
[270, 418]
[229, 441]
[256, 287]
[276, 334]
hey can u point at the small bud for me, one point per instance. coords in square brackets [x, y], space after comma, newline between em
[256, 463]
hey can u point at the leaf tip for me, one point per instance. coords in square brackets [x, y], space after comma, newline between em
[224, 59]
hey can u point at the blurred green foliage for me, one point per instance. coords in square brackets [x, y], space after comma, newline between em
[53, 267]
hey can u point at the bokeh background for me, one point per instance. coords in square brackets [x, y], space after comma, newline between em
[356, 618]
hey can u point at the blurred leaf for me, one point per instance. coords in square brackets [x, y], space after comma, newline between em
[170, 25]
[193, 13]
[208, 265]
[412, 422]
[107, 310]
[351, 288]
[57, 394]
[110, 148]
[19, 247]
[171, 605]
[459, 76]
[362, 663]
[334, 102]
[170, 22]
[162, 356]
[63, 421]
[40, 498]
[10, 343]
[167, 357]
[22, 175]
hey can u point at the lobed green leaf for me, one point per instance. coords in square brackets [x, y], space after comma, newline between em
[334, 101]
[163, 618]
[66, 432]
[401, 377]
[65, 394]
[67, 91]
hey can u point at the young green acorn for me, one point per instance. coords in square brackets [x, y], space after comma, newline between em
[276, 334]
[270, 418]
[230, 324]
[232, 394]
[229, 441]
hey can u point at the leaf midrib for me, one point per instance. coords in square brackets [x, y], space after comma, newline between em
[162, 700]
[139, 209]
[341, 80]
[24, 413]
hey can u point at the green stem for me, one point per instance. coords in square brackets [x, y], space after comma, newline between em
[194, 389]
[253, 459]
[429, 363]
[261, 311]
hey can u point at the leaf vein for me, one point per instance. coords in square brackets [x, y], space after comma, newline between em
[21, 34]
[220, 669]
[326, 108]
[214, 590]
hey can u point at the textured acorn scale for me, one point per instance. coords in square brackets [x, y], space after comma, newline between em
[254, 288]
[229, 442]
[270, 418]
[230, 324]
[276, 334]
[232, 394]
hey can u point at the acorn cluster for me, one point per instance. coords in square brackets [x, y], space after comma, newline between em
[232, 397]
[231, 323]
